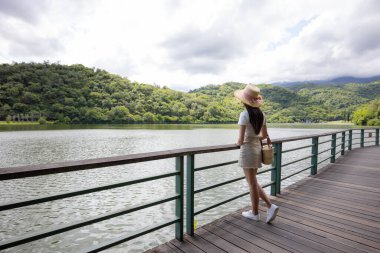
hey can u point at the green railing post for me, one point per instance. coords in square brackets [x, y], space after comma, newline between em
[343, 145]
[190, 195]
[361, 138]
[377, 137]
[276, 172]
[333, 144]
[314, 158]
[179, 165]
[350, 140]
[273, 172]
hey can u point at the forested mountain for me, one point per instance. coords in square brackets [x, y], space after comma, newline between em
[311, 103]
[77, 94]
[335, 81]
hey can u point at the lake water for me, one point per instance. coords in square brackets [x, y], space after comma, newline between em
[45, 146]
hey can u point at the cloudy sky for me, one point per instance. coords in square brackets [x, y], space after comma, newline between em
[191, 43]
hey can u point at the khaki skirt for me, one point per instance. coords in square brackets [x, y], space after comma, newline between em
[250, 154]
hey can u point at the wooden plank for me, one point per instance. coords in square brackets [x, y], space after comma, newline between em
[327, 189]
[361, 162]
[186, 246]
[345, 209]
[233, 239]
[367, 161]
[347, 178]
[338, 186]
[278, 239]
[357, 164]
[342, 164]
[341, 221]
[363, 155]
[336, 191]
[325, 183]
[352, 170]
[333, 175]
[253, 239]
[338, 209]
[334, 235]
[340, 192]
[173, 247]
[220, 242]
[328, 221]
[338, 195]
[330, 226]
[311, 234]
[280, 231]
[326, 199]
[369, 151]
[203, 244]
[327, 227]
[164, 248]
[348, 197]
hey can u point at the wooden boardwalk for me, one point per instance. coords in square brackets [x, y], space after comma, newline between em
[338, 210]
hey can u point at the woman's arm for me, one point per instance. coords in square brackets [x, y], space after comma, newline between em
[265, 135]
[241, 135]
[264, 132]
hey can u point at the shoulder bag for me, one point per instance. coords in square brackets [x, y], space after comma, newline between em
[267, 152]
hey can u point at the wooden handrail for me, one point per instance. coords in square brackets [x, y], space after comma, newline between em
[60, 167]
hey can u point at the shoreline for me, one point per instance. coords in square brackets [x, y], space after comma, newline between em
[30, 126]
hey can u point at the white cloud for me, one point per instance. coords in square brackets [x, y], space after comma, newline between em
[187, 44]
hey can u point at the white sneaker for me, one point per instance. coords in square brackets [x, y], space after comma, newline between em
[271, 213]
[249, 214]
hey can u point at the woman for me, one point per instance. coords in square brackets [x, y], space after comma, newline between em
[252, 130]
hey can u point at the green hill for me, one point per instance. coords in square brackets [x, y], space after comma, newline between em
[77, 94]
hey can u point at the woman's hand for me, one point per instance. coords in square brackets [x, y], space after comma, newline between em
[239, 142]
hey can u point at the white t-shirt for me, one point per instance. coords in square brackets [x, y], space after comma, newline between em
[244, 121]
[244, 118]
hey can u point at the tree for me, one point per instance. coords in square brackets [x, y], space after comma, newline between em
[8, 119]
[20, 108]
[149, 117]
[5, 110]
[95, 115]
[119, 114]
[368, 114]
[42, 121]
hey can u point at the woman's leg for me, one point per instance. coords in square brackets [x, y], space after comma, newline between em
[264, 196]
[255, 191]
[250, 175]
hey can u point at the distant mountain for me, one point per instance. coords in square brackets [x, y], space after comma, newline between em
[335, 81]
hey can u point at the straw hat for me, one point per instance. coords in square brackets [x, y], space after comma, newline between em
[250, 95]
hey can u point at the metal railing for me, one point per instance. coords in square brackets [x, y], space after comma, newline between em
[179, 174]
